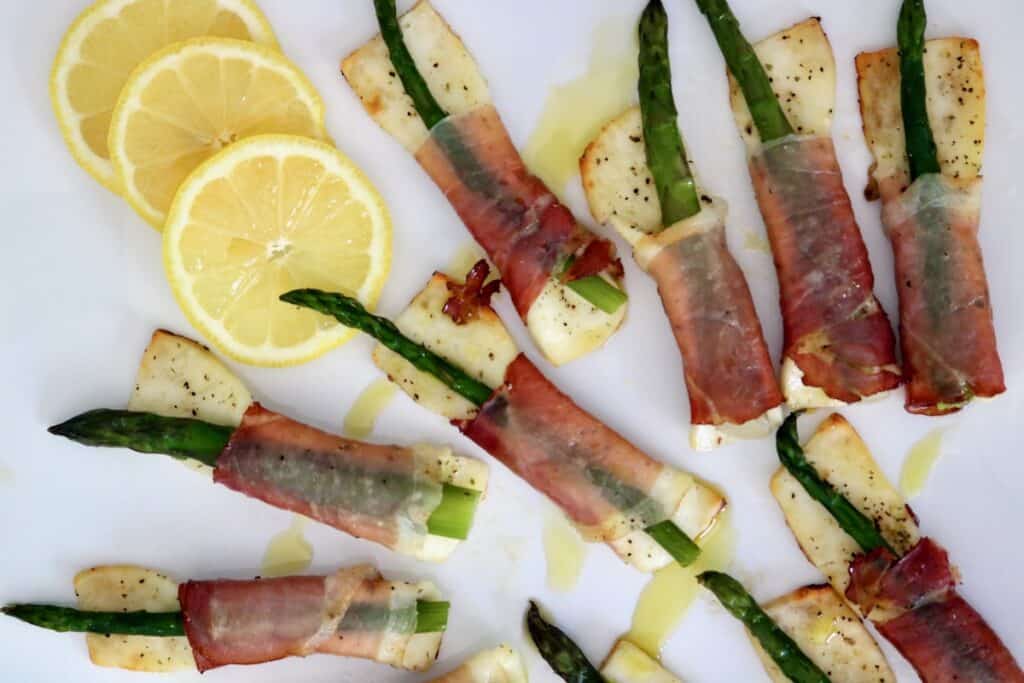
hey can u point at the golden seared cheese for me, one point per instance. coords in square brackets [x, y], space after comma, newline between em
[626, 663]
[481, 347]
[449, 468]
[842, 458]
[182, 378]
[955, 84]
[830, 634]
[499, 665]
[115, 588]
[448, 68]
[802, 72]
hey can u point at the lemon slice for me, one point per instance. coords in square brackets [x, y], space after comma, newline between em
[266, 215]
[189, 101]
[111, 38]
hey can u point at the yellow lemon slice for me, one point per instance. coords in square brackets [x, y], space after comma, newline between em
[267, 215]
[189, 101]
[107, 42]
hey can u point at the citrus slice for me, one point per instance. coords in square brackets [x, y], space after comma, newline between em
[267, 215]
[190, 100]
[111, 38]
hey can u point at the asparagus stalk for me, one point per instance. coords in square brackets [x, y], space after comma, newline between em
[742, 61]
[186, 438]
[779, 646]
[599, 292]
[422, 99]
[860, 527]
[921, 151]
[431, 617]
[666, 155]
[350, 312]
[563, 655]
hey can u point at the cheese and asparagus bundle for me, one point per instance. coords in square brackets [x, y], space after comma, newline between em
[859, 531]
[923, 106]
[417, 500]
[799, 637]
[420, 83]
[637, 178]
[838, 346]
[450, 352]
[139, 619]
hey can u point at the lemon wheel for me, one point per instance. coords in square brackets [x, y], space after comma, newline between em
[190, 100]
[112, 37]
[266, 215]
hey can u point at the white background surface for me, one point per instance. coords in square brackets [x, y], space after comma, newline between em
[83, 289]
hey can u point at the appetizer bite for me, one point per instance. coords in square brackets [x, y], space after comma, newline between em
[450, 352]
[838, 345]
[923, 106]
[500, 665]
[139, 619]
[626, 663]
[420, 83]
[855, 527]
[417, 500]
[678, 237]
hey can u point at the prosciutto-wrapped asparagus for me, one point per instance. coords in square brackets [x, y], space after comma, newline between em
[418, 81]
[838, 345]
[923, 108]
[450, 351]
[416, 500]
[859, 531]
[354, 612]
[678, 237]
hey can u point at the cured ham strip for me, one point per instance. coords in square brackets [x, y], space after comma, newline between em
[835, 330]
[946, 330]
[914, 603]
[603, 483]
[523, 228]
[250, 622]
[728, 371]
[381, 493]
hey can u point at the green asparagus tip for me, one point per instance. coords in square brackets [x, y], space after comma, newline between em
[560, 652]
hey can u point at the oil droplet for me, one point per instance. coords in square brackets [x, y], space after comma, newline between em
[919, 463]
[565, 552]
[756, 242]
[823, 629]
[575, 111]
[288, 552]
[667, 597]
[367, 406]
[465, 257]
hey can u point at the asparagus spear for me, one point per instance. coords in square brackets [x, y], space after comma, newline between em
[666, 155]
[426, 106]
[921, 150]
[431, 617]
[186, 438]
[742, 61]
[779, 646]
[860, 527]
[563, 656]
[350, 312]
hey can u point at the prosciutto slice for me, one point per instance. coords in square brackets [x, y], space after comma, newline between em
[525, 231]
[604, 484]
[835, 330]
[381, 493]
[728, 371]
[946, 330]
[913, 602]
[353, 613]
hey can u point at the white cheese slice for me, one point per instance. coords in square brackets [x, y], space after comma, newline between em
[115, 588]
[565, 326]
[802, 71]
[842, 458]
[626, 663]
[500, 665]
[830, 634]
[955, 83]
